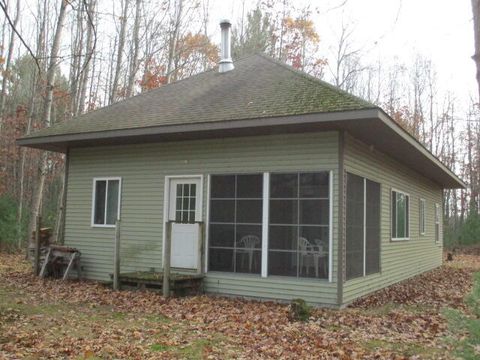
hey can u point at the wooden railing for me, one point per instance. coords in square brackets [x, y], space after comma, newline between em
[167, 258]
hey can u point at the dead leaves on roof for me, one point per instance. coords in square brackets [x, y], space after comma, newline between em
[52, 319]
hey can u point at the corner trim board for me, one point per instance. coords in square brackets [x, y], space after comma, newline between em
[340, 232]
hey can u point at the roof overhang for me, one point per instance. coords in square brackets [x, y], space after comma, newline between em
[372, 126]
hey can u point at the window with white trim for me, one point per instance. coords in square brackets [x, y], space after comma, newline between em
[186, 203]
[106, 201]
[400, 215]
[437, 223]
[422, 216]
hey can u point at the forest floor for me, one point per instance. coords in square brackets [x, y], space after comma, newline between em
[432, 316]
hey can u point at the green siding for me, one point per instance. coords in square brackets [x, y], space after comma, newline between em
[143, 169]
[399, 259]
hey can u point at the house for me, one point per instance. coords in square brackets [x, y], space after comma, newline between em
[305, 191]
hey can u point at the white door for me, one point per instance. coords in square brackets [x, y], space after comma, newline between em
[184, 209]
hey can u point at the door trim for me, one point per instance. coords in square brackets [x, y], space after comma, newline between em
[166, 203]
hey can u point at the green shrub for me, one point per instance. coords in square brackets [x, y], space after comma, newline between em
[299, 310]
[462, 234]
[8, 216]
[469, 233]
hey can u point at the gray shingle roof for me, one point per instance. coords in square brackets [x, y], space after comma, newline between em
[258, 87]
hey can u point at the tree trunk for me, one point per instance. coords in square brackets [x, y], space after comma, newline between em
[76, 53]
[136, 45]
[476, 33]
[8, 62]
[121, 44]
[88, 59]
[47, 110]
[22, 168]
[175, 31]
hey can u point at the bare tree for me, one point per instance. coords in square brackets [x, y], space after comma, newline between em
[90, 49]
[8, 62]
[176, 23]
[121, 45]
[136, 48]
[346, 66]
[47, 109]
[476, 33]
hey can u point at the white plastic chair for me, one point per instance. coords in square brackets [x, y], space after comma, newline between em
[321, 254]
[306, 253]
[246, 245]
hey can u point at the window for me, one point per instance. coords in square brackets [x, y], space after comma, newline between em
[235, 227]
[422, 217]
[299, 216]
[437, 223]
[106, 200]
[362, 227]
[186, 203]
[400, 216]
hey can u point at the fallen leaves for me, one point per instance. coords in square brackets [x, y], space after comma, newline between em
[52, 319]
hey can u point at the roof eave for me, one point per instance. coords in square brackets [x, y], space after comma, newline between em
[388, 121]
[308, 122]
[47, 142]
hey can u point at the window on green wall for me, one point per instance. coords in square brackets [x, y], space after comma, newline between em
[422, 216]
[400, 215]
[106, 201]
[437, 223]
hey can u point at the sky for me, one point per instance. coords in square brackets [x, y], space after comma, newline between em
[441, 30]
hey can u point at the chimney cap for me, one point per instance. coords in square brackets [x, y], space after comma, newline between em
[224, 22]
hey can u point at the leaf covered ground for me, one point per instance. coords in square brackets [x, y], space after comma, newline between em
[55, 319]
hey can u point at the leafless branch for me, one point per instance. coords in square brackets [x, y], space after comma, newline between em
[3, 5]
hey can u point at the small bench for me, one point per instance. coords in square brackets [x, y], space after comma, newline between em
[61, 259]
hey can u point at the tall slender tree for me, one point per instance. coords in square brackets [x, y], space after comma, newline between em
[119, 58]
[47, 109]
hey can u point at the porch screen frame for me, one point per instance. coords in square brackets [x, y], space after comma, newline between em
[365, 225]
[265, 224]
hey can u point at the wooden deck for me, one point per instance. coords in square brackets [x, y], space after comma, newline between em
[181, 284]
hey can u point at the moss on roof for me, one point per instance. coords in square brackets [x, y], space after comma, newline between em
[258, 87]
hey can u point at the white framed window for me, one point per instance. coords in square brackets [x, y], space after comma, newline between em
[437, 223]
[421, 211]
[106, 194]
[400, 210]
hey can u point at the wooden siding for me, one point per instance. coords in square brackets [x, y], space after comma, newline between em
[399, 259]
[143, 169]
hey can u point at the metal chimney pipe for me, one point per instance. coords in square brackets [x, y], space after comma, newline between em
[226, 63]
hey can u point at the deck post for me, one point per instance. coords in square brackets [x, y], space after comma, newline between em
[36, 259]
[166, 259]
[116, 257]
